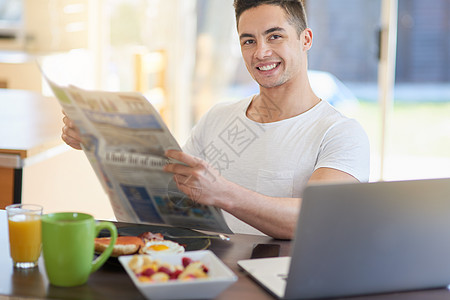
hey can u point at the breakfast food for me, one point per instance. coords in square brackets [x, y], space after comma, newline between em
[150, 236]
[148, 269]
[165, 246]
[125, 245]
[145, 243]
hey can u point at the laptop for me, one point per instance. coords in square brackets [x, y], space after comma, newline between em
[364, 238]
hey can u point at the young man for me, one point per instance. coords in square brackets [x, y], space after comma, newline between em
[253, 158]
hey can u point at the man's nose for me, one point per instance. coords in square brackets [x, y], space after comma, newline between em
[263, 50]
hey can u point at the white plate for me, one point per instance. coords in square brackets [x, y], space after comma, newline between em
[219, 278]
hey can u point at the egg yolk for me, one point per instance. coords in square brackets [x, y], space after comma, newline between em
[159, 247]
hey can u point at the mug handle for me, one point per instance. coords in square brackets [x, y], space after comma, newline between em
[100, 260]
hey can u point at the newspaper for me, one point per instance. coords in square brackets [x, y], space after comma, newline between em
[124, 139]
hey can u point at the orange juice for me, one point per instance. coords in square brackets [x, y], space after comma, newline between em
[25, 237]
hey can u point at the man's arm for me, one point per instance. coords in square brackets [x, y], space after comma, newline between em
[276, 217]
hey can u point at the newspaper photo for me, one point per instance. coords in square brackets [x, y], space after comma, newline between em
[124, 139]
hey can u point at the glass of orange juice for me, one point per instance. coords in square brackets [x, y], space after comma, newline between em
[24, 223]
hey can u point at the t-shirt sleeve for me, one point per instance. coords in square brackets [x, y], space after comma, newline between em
[195, 144]
[192, 145]
[345, 147]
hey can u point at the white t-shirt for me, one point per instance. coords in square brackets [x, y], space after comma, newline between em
[277, 159]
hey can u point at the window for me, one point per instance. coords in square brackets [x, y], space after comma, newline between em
[416, 138]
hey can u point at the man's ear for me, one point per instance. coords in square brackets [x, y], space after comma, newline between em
[307, 39]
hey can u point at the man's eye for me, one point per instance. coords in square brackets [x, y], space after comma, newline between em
[248, 42]
[275, 36]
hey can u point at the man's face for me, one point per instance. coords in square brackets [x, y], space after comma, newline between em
[272, 51]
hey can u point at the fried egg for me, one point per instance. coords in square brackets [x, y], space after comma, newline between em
[156, 247]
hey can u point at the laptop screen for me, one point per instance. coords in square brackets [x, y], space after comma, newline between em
[365, 238]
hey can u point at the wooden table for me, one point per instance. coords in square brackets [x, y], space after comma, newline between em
[30, 130]
[111, 281]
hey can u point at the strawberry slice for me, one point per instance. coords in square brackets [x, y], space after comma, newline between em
[147, 272]
[186, 261]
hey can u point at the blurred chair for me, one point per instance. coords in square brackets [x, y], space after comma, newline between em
[328, 87]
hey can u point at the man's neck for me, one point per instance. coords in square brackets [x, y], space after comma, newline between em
[280, 103]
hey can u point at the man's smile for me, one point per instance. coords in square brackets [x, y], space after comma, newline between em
[268, 67]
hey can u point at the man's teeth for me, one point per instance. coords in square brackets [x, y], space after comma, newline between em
[268, 67]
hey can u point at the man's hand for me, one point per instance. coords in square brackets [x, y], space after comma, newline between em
[201, 182]
[197, 179]
[70, 133]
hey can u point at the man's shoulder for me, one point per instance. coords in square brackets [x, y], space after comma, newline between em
[228, 106]
[331, 118]
[331, 114]
[231, 104]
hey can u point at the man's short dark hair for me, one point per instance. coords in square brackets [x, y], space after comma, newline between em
[295, 10]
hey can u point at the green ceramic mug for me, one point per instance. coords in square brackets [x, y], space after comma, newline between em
[68, 247]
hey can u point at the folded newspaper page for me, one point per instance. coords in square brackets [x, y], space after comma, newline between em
[124, 139]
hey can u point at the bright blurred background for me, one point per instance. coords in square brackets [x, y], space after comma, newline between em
[184, 55]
